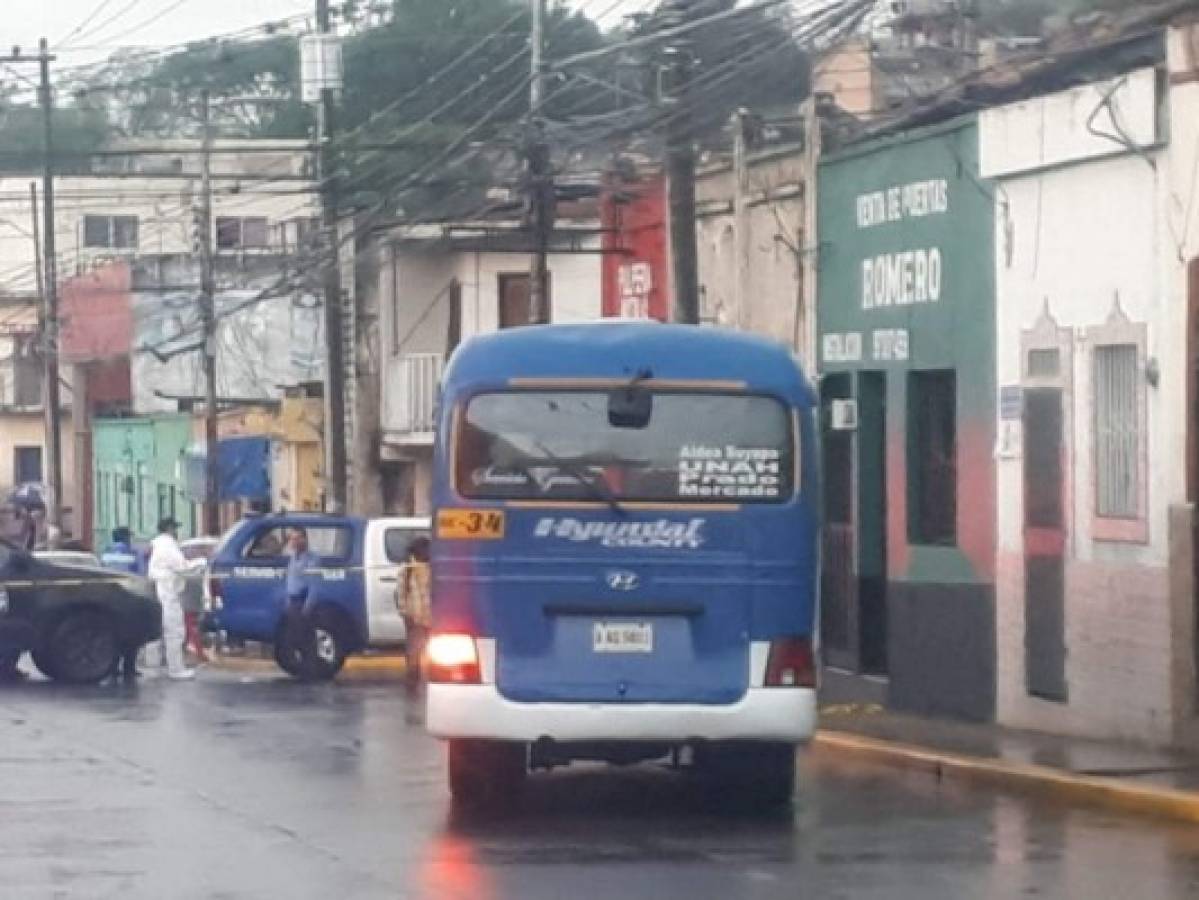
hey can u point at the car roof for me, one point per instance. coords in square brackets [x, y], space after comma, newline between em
[301, 516]
[68, 556]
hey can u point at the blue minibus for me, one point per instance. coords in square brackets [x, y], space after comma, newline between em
[624, 557]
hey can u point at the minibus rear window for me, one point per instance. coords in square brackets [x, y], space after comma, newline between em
[563, 445]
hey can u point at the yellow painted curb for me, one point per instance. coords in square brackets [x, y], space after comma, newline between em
[355, 665]
[381, 663]
[1043, 781]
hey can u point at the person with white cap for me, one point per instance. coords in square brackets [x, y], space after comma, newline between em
[168, 568]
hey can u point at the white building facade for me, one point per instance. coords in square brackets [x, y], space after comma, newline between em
[127, 240]
[146, 203]
[1097, 249]
[435, 293]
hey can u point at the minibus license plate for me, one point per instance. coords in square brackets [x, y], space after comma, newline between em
[622, 637]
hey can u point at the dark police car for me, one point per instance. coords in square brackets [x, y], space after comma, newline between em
[76, 621]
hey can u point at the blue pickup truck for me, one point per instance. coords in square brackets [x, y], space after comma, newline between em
[352, 591]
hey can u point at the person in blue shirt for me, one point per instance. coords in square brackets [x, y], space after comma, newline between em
[120, 554]
[121, 557]
[299, 633]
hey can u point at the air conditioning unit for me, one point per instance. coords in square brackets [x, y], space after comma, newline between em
[843, 415]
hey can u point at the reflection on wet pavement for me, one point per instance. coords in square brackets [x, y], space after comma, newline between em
[259, 787]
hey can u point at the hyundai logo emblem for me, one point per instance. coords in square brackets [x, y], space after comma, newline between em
[623, 581]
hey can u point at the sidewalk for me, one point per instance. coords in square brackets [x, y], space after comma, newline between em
[1122, 777]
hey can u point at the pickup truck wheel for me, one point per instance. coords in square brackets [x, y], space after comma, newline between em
[287, 656]
[321, 659]
[750, 775]
[44, 661]
[330, 648]
[83, 648]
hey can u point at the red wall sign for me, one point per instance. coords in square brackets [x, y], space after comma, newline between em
[636, 271]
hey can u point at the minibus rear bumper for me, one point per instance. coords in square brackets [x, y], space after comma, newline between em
[479, 711]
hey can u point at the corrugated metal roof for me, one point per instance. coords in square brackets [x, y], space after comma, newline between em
[1095, 47]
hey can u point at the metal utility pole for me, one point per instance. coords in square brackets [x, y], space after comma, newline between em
[335, 376]
[51, 401]
[680, 169]
[540, 177]
[212, 514]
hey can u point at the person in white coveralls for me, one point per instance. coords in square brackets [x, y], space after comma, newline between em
[167, 570]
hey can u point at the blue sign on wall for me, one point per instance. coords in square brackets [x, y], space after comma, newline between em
[243, 470]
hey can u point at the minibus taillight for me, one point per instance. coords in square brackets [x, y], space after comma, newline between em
[453, 658]
[791, 663]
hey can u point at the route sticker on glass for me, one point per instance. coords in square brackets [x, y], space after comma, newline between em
[470, 524]
[730, 472]
[622, 637]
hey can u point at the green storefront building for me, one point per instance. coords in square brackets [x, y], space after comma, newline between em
[138, 475]
[906, 334]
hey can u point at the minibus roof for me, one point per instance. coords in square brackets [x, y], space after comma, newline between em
[624, 350]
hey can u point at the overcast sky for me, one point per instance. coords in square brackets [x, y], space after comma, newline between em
[118, 23]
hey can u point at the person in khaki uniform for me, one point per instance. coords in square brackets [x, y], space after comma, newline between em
[412, 597]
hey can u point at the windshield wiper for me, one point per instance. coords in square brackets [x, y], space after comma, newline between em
[595, 486]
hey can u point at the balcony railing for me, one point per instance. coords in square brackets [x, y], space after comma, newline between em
[410, 395]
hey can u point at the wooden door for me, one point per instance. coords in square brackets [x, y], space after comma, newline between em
[514, 299]
[872, 522]
[1044, 545]
[838, 575]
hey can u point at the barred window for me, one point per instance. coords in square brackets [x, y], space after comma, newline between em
[1117, 420]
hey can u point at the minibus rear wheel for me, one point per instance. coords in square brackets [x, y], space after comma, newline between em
[749, 774]
[487, 773]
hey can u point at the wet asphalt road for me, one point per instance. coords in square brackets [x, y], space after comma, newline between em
[253, 786]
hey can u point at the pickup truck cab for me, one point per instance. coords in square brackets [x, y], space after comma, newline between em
[352, 593]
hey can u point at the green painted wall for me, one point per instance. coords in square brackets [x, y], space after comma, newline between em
[906, 283]
[138, 475]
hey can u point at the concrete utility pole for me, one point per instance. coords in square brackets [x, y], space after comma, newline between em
[335, 376]
[540, 177]
[680, 167]
[47, 289]
[536, 50]
[212, 517]
[741, 123]
[38, 262]
[35, 222]
[51, 401]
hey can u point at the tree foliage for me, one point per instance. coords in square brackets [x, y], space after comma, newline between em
[749, 60]
[417, 50]
[416, 82]
[254, 83]
[77, 130]
[251, 85]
